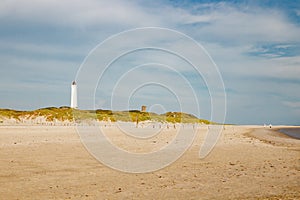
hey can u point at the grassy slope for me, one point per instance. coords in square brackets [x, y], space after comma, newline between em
[67, 113]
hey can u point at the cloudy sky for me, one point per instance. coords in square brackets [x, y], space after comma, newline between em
[254, 44]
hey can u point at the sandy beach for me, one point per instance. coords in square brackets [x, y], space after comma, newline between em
[248, 162]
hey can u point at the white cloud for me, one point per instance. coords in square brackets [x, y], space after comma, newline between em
[284, 46]
[48, 49]
[216, 22]
[255, 25]
[292, 104]
[77, 13]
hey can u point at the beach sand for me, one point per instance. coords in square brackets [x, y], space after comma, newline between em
[248, 162]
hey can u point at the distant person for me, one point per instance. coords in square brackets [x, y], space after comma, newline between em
[270, 125]
[137, 121]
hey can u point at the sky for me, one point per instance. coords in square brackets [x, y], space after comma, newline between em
[254, 47]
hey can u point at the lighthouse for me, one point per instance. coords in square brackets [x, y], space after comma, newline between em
[73, 95]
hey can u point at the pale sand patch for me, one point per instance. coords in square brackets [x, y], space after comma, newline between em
[51, 163]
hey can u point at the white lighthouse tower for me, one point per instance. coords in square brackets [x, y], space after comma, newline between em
[74, 95]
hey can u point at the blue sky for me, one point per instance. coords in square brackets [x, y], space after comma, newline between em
[255, 45]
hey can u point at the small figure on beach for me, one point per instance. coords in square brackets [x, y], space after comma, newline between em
[137, 121]
[270, 125]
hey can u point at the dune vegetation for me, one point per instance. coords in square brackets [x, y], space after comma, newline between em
[66, 113]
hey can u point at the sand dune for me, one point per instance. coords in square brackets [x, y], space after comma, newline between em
[248, 162]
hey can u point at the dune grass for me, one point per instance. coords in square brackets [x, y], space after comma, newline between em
[66, 113]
